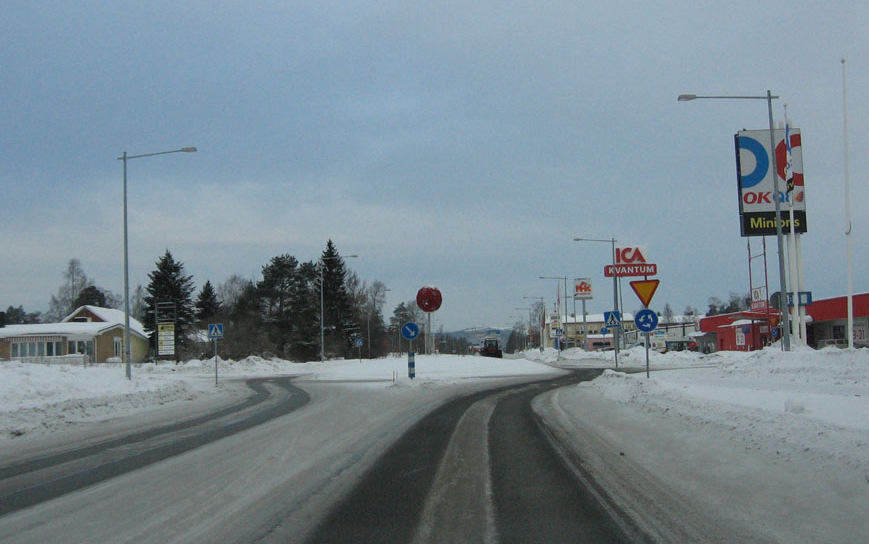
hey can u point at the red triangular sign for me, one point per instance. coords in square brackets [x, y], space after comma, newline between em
[645, 289]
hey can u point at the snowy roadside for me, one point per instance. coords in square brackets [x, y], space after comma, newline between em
[38, 401]
[761, 446]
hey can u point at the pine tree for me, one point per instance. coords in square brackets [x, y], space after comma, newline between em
[244, 333]
[207, 304]
[170, 285]
[275, 294]
[338, 320]
[90, 296]
[306, 310]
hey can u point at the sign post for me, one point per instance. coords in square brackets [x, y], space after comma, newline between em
[582, 290]
[358, 345]
[410, 331]
[646, 321]
[215, 332]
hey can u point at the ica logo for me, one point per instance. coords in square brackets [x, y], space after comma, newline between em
[630, 255]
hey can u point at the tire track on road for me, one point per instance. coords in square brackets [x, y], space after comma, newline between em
[37, 479]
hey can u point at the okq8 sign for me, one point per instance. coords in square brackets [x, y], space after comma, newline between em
[757, 186]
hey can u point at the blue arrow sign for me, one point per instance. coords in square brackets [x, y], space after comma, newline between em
[646, 320]
[410, 331]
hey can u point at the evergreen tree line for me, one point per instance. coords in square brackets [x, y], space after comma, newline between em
[277, 316]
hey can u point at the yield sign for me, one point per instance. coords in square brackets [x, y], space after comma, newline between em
[645, 289]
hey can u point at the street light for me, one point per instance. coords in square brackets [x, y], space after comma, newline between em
[125, 158]
[322, 310]
[525, 332]
[543, 304]
[373, 308]
[564, 328]
[786, 334]
[615, 291]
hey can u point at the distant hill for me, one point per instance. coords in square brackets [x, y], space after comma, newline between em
[476, 334]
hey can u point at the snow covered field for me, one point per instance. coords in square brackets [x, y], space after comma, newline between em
[775, 444]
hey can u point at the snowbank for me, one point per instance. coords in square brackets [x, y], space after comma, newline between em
[773, 443]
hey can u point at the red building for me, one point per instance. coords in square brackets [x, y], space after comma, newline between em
[739, 331]
[751, 330]
[830, 320]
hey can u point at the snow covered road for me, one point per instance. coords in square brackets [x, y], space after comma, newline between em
[762, 447]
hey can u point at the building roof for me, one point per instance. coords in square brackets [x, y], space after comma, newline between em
[108, 317]
[594, 318]
[837, 307]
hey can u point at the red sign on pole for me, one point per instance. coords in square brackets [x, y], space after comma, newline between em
[429, 299]
[621, 270]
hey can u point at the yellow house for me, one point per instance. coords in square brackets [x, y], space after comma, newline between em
[89, 334]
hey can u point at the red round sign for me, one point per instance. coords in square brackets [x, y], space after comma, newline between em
[429, 299]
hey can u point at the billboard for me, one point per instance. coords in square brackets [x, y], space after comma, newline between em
[756, 185]
[582, 289]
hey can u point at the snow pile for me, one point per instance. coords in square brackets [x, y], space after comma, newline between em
[777, 443]
[633, 357]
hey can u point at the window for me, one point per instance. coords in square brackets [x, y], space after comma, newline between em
[37, 349]
[118, 346]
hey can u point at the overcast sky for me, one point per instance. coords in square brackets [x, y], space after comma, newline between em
[448, 143]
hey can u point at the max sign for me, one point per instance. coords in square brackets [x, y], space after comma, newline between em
[630, 261]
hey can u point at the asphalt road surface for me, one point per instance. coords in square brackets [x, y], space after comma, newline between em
[479, 469]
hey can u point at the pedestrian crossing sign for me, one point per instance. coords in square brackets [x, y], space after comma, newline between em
[612, 319]
[215, 331]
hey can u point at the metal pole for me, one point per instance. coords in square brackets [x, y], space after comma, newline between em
[786, 336]
[124, 157]
[584, 328]
[322, 334]
[783, 301]
[850, 298]
[615, 305]
[127, 367]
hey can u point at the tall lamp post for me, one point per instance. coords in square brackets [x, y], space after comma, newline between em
[543, 304]
[769, 97]
[615, 291]
[125, 158]
[564, 327]
[322, 303]
[525, 332]
[373, 308]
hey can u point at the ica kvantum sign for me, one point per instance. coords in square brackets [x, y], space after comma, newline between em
[756, 184]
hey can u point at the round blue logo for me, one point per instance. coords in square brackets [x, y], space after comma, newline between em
[761, 159]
